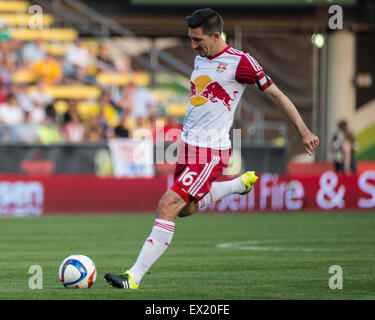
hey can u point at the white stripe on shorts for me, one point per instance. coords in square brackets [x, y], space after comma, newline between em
[203, 177]
[199, 176]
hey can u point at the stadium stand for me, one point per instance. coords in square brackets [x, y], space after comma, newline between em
[14, 6]
[50, 77]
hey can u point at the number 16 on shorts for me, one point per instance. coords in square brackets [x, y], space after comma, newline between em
[187, 177]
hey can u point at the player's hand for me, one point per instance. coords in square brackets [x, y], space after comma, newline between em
[311, 142]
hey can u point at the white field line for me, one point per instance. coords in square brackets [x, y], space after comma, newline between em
[286, 245]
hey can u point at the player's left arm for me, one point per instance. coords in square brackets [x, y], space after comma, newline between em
[310, 140]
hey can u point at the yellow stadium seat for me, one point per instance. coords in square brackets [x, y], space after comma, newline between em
[141, 78]
[23, 76]
[57, 49]
[163, 94]
[25, 20]
[72, 92]
[176, 109]
[14, 6]
[112, 79]
[49, 34]
[122, 79]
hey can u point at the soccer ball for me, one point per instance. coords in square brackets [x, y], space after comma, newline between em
[77, 271]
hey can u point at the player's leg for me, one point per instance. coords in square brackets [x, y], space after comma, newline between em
[162, 231]
[189, 209]
[219, 190]
[155, 244]
[205, 190]
[161, 234]
[170, 205]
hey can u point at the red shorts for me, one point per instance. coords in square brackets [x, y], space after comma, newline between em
[196, 169]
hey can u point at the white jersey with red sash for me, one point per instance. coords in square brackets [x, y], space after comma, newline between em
[217, 84]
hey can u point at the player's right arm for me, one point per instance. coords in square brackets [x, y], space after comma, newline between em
[249, 71]
[310, 140]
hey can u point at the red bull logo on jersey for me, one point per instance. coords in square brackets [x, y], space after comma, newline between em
[203, 89]
[221, 67]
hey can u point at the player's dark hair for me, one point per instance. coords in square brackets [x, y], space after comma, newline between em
[209, 20]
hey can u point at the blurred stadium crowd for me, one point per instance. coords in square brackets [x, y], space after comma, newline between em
[30, 114]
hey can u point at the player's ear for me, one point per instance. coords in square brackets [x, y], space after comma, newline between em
[217, 35]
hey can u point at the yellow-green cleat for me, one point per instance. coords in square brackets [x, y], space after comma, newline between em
[248, 178]
[122, 281]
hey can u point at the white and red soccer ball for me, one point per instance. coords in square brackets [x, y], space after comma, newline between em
[77, 272]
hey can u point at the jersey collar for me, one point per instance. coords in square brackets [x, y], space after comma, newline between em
[218, 54]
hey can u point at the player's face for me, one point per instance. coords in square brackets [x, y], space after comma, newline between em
[204, 44]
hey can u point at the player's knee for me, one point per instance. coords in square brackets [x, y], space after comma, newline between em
[184, 213]
[169, 206]
[190, 209]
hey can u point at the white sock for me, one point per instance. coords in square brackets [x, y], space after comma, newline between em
[220, 190]
[154, 246]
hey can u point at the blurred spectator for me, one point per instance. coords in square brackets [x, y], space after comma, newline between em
[74, 130]
[40, 94]
[108, 110]
[172, 128]
[23, 98]
[145, 129]
[48, 70]
[94, 130]
[4, 32]
[343, 147]
[124, 65]
[8, 55]
[139, 101]
[5, 81]
[33, 52]
[37, 113]
[27, 132]
[92, 68]
[104, 60]
[11, 116]
[106, 116]
[122, 131]
[11, 113]
[5, 75]
[72, 109]
[122, 100]
[49, 132]
[77, 60]
[3, 92]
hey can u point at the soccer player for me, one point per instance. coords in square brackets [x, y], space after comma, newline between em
[218, 80]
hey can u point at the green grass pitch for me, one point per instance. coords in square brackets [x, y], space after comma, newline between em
[212, 256]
